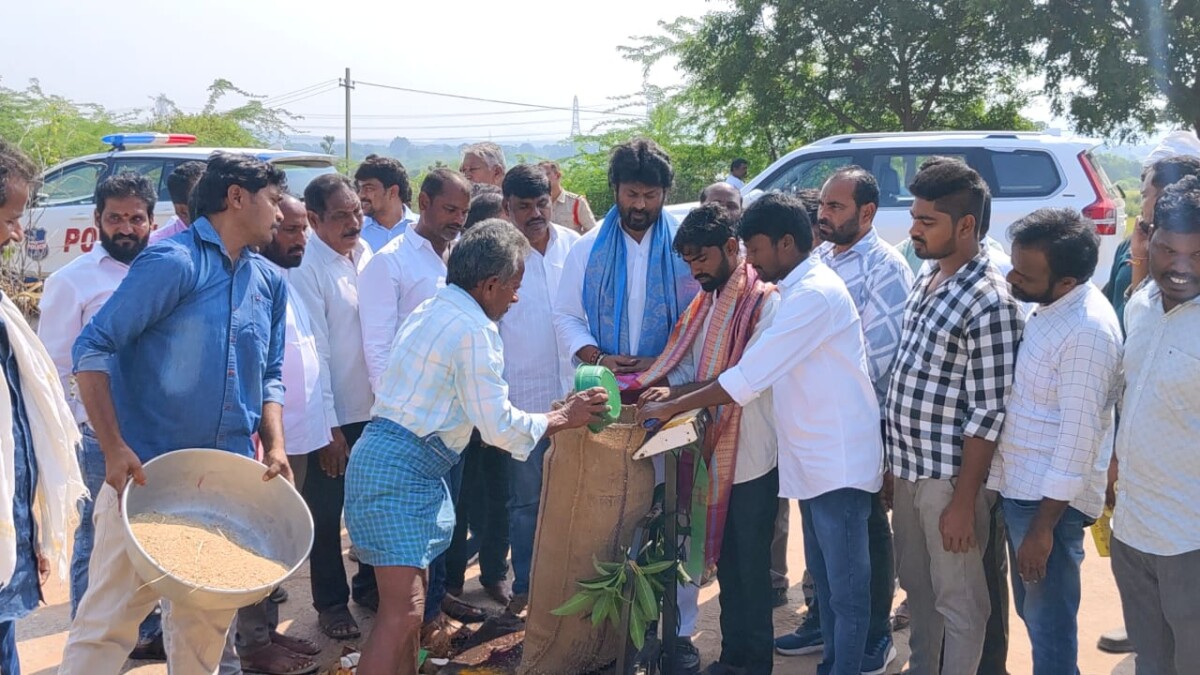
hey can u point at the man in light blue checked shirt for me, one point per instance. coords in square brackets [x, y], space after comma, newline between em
[879, 281]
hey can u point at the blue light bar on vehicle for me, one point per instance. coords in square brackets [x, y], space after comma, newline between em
[147, 140]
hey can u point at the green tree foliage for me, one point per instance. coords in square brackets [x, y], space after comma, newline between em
[52, 129]
[1138, 62]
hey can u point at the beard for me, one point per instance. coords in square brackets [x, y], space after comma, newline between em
[122, 247]
[638, 220]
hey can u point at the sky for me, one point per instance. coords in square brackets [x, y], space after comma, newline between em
[122, 53]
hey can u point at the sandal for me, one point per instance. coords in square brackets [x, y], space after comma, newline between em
[460, 611]
[273, 659]
[339, 624]
[295, 644]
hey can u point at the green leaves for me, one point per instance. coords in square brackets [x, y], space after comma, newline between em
[620, 586]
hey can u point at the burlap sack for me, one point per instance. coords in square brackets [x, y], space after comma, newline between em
[593, 494]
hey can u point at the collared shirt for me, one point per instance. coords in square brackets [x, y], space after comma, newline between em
[70, 298]
[397, 279]
[23, 592]
[534, 365]
[445, 377]
[758, 444]
[1058, 417]
[377, 236]
[880, 282]
[953, 371]
[326, 282]
[172, 227]
[570, 319]
[735, 181]
[193, 343]
[812, 358]
[306, 421]
[1158, 495]
[572, 211]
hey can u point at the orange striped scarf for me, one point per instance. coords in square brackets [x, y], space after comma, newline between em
[734, 319]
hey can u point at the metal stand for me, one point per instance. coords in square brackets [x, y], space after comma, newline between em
[670, 603]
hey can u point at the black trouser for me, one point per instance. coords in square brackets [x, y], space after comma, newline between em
[995, 570]
[325, 496]
[483, 508]
[744, 573]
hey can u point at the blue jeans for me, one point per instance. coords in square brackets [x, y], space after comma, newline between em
[9, 663]
[436, 590]
[524, 497]
[1049, 608]
[837, 551]
[91, 465]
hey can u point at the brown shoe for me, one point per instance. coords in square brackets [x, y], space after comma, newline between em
[500, 592]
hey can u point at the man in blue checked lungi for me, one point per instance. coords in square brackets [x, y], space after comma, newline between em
[443, 379]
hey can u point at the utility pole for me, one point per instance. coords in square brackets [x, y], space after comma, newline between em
[348, 84]
[575, 129]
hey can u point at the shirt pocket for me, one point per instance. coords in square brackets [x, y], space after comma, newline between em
[1178, 374]
[939, 348]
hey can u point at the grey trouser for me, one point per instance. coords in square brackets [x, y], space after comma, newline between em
[947, 592]
[1160, 597]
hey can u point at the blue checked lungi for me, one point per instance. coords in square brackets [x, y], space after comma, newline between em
[398, 507]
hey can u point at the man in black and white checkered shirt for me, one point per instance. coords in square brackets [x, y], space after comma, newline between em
[944, 410]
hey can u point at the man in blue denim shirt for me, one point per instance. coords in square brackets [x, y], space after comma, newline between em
[188, 352]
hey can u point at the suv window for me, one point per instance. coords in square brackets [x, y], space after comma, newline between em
[1024, 173]
[895, 170]
[152, 168]
[806, 173]
[75, 184]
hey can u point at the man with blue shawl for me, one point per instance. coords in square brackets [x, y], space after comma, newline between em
[623, 288]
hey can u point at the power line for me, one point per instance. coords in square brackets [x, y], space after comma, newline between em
[405, 127]
[318, 92]
[274, 100]
[488, 113]
[478, 98]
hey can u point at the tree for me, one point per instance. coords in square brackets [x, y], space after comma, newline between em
[1138, 62]
[327, 144]
[247, 125]
[777, 72]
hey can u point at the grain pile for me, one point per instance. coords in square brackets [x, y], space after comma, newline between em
[202, 554]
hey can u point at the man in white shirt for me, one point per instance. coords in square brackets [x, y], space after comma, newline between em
[733, 312]
[124, 216]
[813, 361]
[879, 281]
[326, 283]
[254, 644]
[483, 163]
[1156, 544]
[410, 269]
[384, 190]
[738, 170]
[534, 365]
[1051, 464]
[622, 290]
[180, 184]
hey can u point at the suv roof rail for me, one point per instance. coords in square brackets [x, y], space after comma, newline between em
[850, 138]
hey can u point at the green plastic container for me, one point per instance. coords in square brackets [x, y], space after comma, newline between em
[588, 376]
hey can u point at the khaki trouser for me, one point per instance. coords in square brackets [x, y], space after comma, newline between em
[947, 592]
[106, 625]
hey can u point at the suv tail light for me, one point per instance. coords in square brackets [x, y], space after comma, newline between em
[1103, 211]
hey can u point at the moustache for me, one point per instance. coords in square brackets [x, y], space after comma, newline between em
[117, 238]
[296, 250]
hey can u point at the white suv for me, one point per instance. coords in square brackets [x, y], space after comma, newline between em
[1025, 171]
[61, 226]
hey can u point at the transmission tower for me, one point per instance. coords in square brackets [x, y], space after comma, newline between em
[575, 130]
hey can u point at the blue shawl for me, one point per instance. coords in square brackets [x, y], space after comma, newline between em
[669, 289]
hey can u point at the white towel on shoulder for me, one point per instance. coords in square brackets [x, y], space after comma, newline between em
[55, 436]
